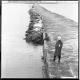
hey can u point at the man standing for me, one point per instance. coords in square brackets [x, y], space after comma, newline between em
[45, 38]
[58, 47]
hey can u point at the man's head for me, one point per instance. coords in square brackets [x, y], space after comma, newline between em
[59, 37]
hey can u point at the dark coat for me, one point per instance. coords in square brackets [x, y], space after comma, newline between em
[58, 48]
[46, 37]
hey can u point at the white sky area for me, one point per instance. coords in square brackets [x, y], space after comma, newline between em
[65, 8]
[69, 10]
[19, 59]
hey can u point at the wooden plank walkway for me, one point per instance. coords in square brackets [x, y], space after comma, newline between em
[63, 69]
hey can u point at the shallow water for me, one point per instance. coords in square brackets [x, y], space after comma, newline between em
[19, 59]
[22, 61]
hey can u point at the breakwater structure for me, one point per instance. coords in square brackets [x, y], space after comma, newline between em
[54, 25]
